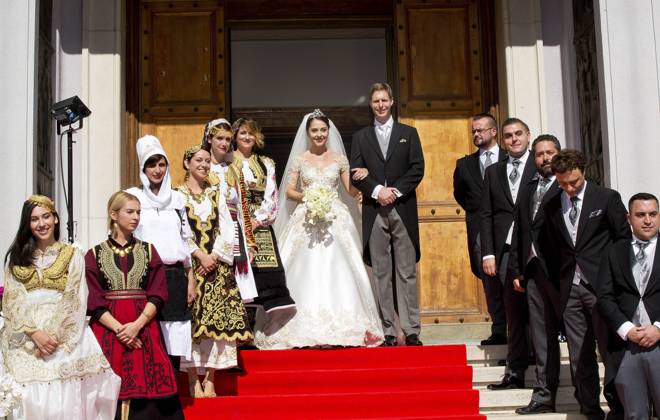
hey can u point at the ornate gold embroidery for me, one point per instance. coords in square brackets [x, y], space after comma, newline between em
[204, 227]
[53, 277]
[114, 274]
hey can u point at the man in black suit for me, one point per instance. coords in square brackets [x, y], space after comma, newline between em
[530, 276]
[629, 300]
[504, 184]
[392, 153]
[580, 224]
[468, 189]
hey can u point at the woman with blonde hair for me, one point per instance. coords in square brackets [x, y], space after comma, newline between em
[46, 344]
[127, 288]
[258, 172]
[219, 317]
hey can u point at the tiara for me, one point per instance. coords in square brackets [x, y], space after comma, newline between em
[190, 152]
[317, 114]
[41, 201]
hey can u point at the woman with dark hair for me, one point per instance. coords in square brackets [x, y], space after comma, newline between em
[127, 287]
[320, 246]
[262, 196]
[46, 344]
[164, 224]
[218, 135]
[219, 317]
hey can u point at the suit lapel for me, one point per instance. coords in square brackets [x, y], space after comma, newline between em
[395, 136]
[532, 186]
[624, 261]
[588, 205]
[559, 219]
[505, 182]
[552, 191]
[654, 278]
[473, 167]
[372, 139]
[527, 174]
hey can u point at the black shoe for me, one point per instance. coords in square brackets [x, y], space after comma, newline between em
[494, 340]
[535, 408]
[413, 340]
[508, 382]
[390, 341]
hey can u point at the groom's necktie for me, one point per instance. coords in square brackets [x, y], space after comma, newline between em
[383, 139]
[641, 272]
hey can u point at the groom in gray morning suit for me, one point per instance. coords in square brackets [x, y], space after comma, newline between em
[392, 153]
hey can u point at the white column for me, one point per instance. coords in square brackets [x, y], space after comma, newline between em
[520, 58]
[18, 80]
[629, 83]
[102, 91]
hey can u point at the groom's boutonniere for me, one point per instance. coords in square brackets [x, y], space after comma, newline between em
[403, 141]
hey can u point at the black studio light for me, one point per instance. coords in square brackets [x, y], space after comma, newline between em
[66, 113]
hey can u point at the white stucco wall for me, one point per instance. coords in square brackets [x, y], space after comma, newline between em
[18, 46]
[629, 79]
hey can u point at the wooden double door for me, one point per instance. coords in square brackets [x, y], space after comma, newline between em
[440, 63]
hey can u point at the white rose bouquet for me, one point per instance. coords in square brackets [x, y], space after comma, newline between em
[318, 201]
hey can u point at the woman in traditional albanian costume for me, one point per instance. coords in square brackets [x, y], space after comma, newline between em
[46, 343]
[218, 134]
[258, 172]
[164, 224]
[219, 317]
[127, 285]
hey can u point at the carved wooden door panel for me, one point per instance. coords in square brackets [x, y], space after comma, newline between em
[181, 75]
[440, 88]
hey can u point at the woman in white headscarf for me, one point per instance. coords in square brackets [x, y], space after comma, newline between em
[164, 224]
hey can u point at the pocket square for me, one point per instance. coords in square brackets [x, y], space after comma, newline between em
[595, 213]
[403, 141]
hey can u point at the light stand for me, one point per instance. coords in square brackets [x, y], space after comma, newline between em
[66, 113]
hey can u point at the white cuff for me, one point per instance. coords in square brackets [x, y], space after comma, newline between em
[488, 257]
[376, 191]
[624, 329]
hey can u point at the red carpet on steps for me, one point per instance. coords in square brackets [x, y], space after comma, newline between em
[430, 382]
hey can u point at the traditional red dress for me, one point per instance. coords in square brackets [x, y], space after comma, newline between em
[122, 280]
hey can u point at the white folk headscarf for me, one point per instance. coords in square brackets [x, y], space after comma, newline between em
[146, 147]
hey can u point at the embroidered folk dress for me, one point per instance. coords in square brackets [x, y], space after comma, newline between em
[76, 381]
[230, 186]
[219, 317]
[122, 280]
[261, 191]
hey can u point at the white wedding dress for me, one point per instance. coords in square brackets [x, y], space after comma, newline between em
[325, 273]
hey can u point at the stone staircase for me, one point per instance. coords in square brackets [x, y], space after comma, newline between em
[500, 405]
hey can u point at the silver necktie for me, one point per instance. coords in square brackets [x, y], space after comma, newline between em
[641, 273]
[540, 192]
[486, 163]
[513, 176]
[573, 214]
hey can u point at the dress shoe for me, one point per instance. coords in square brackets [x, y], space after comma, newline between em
[508, 382]
[494, 340]
[535, 408]
[389, 341]
[413, 340]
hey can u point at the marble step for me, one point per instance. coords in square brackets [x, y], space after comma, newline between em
[483, 375]
[498, 401]
[510, 415]
[490, 355]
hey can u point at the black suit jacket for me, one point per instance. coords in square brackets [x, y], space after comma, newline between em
[497, 206]
[468, 190]
[402, 168]
[618, 297]
[527, 228]
[602, 221]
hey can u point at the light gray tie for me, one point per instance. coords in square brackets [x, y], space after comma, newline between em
[486, 162]
[513, 176]
[641, 272]
[540, 192]
[573, 214]
[383, 139]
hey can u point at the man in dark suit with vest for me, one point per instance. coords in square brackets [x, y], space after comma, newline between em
[392, 153]
[468, 190]
[629, 300]
[504, 184]
[580, 224]
[530, 276]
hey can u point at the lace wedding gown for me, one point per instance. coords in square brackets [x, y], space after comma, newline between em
[325, 273]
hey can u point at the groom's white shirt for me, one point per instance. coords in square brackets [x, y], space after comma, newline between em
[384, 129]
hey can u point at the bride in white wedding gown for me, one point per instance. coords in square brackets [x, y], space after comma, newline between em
[322, 254]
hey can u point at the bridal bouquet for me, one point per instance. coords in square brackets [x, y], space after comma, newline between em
[10, 394]
[318, 201]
